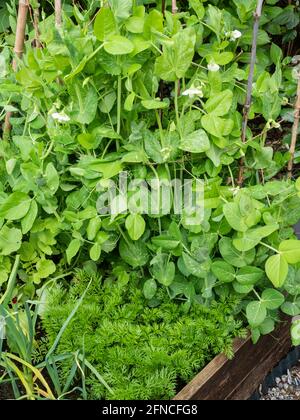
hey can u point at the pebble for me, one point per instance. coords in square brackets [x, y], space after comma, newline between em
[287, 387]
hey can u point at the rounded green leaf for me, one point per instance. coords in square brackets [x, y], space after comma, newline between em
[128, 104]
[154, 104]
[242, 289]
[135, 225]
[220, 103]
[93, 228]
[277, 270]
[73, 249]
[267, 326]
[256, 313]
[249, 275]
[223, 271]
[290, 250]
[233, 256]
[272, 298]
[196, 142]
[134, 253]
[28, 221]
[290, 308]
[52, 178]
[45, 268]
[87, 140]
[15, 206]
[234, 217]
[252, 237]
[149, 288]
[118, 45]
[295, 332]
[10, 240]
[105, 24]
[255, 335]
[95, 252]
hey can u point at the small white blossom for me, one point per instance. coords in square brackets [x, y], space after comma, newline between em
[234, 35]
[60, 117]
[192, 92]
[212, 66]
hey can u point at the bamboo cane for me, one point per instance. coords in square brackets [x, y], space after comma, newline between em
[174, 7]
[247, 106]
[36, 19]
[294, 130]
[58, 14]
[18, 50]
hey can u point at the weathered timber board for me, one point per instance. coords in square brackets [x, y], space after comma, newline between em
[237, 379]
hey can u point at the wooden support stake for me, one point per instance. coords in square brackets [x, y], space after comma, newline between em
[295, 130]
[18, 50]
[58, 14]
[36, 20]
[174, 7]
[247, 106]
[163, 7]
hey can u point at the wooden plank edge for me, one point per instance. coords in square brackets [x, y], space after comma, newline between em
[252, 380]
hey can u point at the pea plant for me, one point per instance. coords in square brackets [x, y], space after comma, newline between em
[158, 93]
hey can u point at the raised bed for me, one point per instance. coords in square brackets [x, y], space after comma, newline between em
[237, 379]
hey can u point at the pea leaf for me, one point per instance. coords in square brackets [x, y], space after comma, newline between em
[93, 228]
[10, 240]
[149, 288]
[252, 237]
[52, 178]
[45, 268]
[85, 105]
[219, 104]
[213, 124]
[135, 225]
[272, 298]
[154, 104]
[177, 57]
[223, 271]
[196, 142]
[192, 266]
[121, 8]
[295, 332]
[290, 308]
[233, 256]
[242, 288]
[105, 24]
[163, 270]
[118, 45]
[234, 217]
[95, 252]
[290, 250]
[277, 270]
[165, 242]
[256, 313]
[134, 253]
[249, 275]
[15, 206]
[28, 221]
[267, 326]
[73, 249]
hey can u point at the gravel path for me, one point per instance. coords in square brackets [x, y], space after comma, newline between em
[287, 386]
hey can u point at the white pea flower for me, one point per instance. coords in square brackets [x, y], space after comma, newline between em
[60, 117]
[193, 91]
[234, 35]
[212, 66]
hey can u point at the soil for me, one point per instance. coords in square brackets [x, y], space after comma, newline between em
[6, 392]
